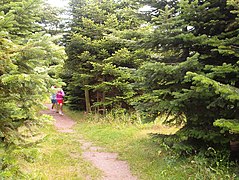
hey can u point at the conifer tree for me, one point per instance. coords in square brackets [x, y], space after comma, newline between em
[101, 51]
[25, 56]
[197, 73]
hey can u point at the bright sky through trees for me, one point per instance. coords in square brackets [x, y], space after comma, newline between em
[58, 3]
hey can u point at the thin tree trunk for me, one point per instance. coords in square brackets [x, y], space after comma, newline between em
[87, 100]
[98, 100]
[103, 99]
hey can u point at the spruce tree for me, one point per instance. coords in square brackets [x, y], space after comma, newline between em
[100, 53]
[196, 75]
[26, 55]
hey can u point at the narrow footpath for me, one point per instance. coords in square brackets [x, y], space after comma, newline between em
[108, 163]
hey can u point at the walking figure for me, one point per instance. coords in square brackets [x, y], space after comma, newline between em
[60, 98]
[53, 97]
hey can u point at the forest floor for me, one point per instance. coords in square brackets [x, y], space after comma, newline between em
[111, 167]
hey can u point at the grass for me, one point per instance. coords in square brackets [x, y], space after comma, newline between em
[147, 159]
[59, 155]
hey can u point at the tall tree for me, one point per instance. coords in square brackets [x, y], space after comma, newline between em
[104, 31]
[197, 73]
[26, 55]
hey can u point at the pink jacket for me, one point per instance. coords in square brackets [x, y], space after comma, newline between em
[60, 95]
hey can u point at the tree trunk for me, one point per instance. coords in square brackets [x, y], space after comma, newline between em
[103, 99]
[87, 100]
[234, 153]
[98, 100]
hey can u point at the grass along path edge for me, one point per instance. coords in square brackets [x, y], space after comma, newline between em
[111, 167]
[145, 155]
[60, 154]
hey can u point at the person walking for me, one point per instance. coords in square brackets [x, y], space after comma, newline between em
[60, 98]
[53, 97]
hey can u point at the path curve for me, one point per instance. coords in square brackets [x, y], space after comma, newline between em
[108, 163]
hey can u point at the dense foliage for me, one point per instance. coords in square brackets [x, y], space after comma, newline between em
[103, 52]
[196, 76]
[27, 54]
[178, 58]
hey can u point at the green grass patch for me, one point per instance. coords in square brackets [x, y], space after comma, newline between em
[147, 158]
[58, 156]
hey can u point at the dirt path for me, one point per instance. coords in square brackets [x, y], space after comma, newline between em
[108, 163]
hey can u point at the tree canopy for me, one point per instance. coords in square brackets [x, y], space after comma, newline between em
[180, 58]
